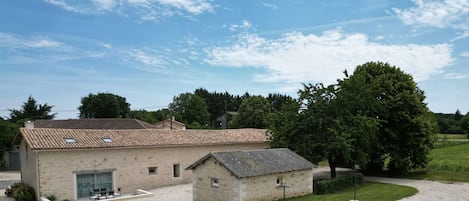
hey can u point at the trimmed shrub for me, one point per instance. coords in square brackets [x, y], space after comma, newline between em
[327, 186]
[21, 192]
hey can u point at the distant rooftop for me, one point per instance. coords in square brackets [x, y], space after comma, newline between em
[104, 123]
[258, 162]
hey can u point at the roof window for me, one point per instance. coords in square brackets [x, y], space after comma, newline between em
[107, 140]
[70, 140]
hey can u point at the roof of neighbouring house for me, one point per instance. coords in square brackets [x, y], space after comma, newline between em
[166, 122]
[104, 123]
[258, 162]
[55, 139]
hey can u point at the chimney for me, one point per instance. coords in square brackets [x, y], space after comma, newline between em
[29, 125]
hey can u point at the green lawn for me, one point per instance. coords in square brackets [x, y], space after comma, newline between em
[367, 191]
[448, 164]
[452, 158]
[452, 136]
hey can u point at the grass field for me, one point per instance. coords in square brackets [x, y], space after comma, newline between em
[449, 163]
[367, 191]
[452, 136]
[452, 158]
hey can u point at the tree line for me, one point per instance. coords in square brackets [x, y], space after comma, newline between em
[374, 118]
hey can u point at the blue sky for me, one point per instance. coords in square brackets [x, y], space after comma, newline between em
[151, 50]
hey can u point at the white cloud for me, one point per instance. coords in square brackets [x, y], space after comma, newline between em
[465, 54]
[455, 76]
[147, 10]
[296, 57]
[244, 25]
[269, 5]
[42, 43]
[147, 58]
[106, 45]
[13, 41]
[66, 6]
[442, 14]
[104, 4]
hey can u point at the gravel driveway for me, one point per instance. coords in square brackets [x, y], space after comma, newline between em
[430, 190]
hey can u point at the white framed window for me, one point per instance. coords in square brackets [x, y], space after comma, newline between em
[214, 182]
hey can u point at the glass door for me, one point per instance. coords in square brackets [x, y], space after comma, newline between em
[86, 183]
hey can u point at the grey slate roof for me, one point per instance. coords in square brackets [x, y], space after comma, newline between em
[105, 123]
[258, 162]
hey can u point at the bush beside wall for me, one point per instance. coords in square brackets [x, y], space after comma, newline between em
[327, 186]
[21, 192]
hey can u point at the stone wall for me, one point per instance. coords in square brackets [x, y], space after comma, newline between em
[266, 188]
[202, 189]
[129, 167]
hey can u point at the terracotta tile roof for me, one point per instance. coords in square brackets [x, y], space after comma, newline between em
[257, 162]
[53, 139]
[167, 123]
[104, 123]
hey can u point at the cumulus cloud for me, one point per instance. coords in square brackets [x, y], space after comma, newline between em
[296, 57]
[441, 14]
[143, 9]
[244, 25]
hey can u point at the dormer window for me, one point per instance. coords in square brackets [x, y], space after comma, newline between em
[70, 140]
[107, 140]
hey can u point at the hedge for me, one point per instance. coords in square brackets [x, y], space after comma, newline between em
[327, 186]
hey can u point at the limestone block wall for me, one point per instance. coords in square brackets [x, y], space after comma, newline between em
[28, 164]
[265, 188]
[129, 167]
[202, 189]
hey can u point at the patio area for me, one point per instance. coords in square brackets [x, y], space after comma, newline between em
[168, 193]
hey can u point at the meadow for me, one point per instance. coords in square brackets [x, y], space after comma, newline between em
[368, 191]
[449, 163]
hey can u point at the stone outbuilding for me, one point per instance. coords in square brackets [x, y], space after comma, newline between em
[256, 175]
[73, 163]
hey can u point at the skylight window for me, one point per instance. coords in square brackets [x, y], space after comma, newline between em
[70, 140]
[107, 140]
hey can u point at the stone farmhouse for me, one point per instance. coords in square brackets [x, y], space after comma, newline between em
[256, 175]
[72, 163]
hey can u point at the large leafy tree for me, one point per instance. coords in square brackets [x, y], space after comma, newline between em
[374, 115]
[103, 105]
[253, 113]
[323, 129]
[278, 100]
[384, 92]
[30, 110]
[218, 103]
[191, 109]
[149, 116]
[8, 131]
